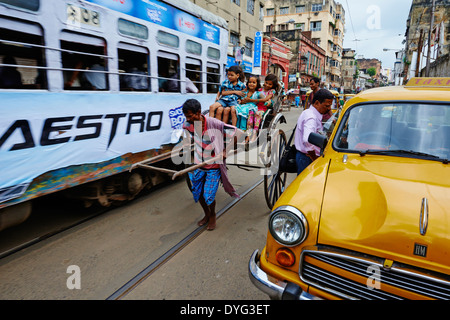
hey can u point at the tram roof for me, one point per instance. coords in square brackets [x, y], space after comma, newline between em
[199, 11]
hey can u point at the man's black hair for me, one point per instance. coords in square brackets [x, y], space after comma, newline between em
[321, 95]
[192, 105]
[316, 80]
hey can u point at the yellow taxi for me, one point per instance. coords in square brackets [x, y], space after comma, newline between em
[370, 218]
[348, 96]
[334, 106]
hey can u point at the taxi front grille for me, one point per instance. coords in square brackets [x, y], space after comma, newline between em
[348, 278]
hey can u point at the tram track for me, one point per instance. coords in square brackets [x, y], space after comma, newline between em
[150, 269]
[48, 235]
[58, 230]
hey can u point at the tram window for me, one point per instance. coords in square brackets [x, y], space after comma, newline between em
[213, 78]
[193, 76]
[168, 39]
[132, 29]
[84, 66]
[213, 53]
[168, 74]
[193, 47]
[19, 48]
[134, 65]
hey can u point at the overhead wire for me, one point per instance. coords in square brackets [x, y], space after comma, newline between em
[351, 22]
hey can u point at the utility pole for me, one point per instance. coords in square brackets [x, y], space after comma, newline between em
[272, 28]
[427, 71]
[419, 52]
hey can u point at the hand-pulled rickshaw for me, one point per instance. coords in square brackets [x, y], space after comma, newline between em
[270, 143]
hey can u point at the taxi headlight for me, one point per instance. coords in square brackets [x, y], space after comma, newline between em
[288, 226]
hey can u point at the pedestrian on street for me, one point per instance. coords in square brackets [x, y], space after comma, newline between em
[314, 84]
[311, 121]
[303, 99]
[297, 101]
[209, 135]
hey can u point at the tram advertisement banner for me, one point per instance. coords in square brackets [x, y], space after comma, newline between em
[43, 132]
[166, 16]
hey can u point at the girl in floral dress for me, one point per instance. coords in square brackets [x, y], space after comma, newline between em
[247, 107]
[269, 90]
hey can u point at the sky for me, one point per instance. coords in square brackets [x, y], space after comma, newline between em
[376, 25]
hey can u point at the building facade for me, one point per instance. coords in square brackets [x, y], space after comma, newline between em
[245, 20]
[325, 19]
[307, 58]
[276, 58]
[365, 64]
[417, 33]
[348, 70]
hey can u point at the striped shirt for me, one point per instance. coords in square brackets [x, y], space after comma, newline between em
[204, 148]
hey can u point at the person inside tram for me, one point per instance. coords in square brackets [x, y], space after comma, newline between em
[96, 80]
[10, 77]
[135, 80]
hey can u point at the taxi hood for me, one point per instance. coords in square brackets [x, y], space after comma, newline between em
[373, 205]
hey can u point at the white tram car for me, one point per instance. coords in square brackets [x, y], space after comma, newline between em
[90, 87]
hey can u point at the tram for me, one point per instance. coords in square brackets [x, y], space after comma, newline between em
[90, 87]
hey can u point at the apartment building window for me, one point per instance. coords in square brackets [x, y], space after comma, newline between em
[238, 2]
[284, 10]
[316, 7]
[299, 9]
[338, 16]
[316, 26]
[283, 27]
[316, 41]
[335, 63]
[300, 26]
[251, 6]
[270, 12]
[234, 39]
[249, 47]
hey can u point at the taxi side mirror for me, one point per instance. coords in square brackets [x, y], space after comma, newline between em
[318, 140]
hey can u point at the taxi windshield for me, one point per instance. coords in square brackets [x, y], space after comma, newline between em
[397, 129]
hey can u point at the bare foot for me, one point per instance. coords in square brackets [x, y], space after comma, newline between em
[203, 221]
[211, 224]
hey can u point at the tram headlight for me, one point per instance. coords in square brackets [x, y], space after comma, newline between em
[288, 226]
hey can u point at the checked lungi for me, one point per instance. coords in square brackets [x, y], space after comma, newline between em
[206, 183]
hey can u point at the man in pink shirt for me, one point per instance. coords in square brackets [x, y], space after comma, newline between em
[311, 121]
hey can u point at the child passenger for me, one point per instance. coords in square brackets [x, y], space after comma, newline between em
[247, 107]
[227, 97]
[269, 90]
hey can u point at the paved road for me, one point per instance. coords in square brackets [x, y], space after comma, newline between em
[113, 248]
[214, 265]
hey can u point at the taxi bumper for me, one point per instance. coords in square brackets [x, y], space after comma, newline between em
[274, 289]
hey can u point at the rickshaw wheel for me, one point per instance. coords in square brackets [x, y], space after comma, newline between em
[274, 180]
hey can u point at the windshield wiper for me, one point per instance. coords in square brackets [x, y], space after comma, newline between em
[362, 153]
